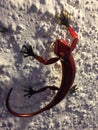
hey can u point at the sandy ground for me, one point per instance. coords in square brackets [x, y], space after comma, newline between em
[33, 22]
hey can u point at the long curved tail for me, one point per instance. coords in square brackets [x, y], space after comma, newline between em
[50, 105]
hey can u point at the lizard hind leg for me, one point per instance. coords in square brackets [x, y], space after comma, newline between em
[31, 92]
[53, 87]
[47, 87]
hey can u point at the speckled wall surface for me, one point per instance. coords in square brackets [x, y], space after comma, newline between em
[33, 22]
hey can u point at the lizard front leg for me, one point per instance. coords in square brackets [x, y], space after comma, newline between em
[28, 51]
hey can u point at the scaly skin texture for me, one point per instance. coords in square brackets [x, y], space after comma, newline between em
[63, 51]
[68, 75]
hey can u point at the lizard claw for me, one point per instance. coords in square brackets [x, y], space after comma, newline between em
[63, 18]
[29, 92]
[27, 51]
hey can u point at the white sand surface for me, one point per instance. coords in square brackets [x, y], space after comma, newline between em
[33, 22]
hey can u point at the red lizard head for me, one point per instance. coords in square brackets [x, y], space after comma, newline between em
[62, 48]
